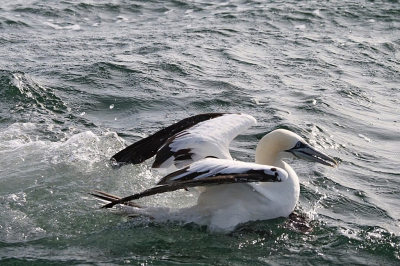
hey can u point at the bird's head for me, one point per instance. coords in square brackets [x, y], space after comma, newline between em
[282, 143]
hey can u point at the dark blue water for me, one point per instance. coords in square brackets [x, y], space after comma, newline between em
[79, 80]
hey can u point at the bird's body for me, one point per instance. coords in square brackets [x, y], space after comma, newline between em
[231, 192]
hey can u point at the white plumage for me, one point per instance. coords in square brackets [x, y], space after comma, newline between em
[209, 138]
[232, 192]
[211, 167]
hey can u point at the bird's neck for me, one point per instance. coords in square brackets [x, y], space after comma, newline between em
[267, 153]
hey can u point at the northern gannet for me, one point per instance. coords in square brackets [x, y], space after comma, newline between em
[196, 151]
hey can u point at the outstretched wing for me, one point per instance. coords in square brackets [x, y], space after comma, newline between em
[210, 172]
[146, 148]
[210, 167]
[188, 141]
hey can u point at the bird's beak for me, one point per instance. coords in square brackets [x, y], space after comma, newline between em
[308, 153]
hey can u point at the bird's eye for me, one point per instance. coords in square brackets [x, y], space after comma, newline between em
[298, 144]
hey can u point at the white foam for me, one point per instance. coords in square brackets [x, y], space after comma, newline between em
[300, 27]
[23, 142]
[364, 137]
[54, 26]
[57, 27]
[72, 27]
[317, 12]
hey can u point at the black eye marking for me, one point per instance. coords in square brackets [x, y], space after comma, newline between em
[298, 145]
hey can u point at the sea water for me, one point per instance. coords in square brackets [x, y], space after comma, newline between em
[80, 80]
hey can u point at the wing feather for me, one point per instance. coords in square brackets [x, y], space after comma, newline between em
[210, 172]
[148, 147]
[211, 167]
[209, 138]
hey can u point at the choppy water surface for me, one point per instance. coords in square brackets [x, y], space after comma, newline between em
[79, 80]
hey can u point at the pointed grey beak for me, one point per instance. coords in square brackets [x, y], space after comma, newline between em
[306, 152]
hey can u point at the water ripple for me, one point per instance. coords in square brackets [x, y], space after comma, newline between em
[326, 70]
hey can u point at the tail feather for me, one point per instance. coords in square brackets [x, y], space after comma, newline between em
[131, 208]
[110, 198]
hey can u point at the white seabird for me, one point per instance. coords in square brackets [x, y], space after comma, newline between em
[196, 150]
